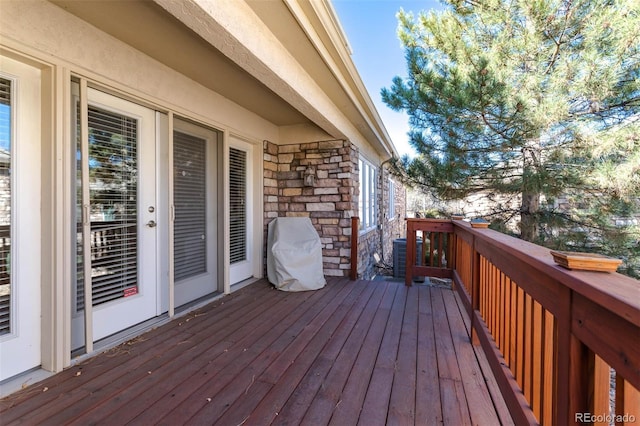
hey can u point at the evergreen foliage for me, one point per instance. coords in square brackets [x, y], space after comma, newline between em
[534, 100]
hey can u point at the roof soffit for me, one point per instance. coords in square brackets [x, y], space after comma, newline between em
[152, 30]
[292, 67]
[235, 30]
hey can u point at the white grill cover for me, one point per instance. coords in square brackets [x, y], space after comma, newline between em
[294, 255]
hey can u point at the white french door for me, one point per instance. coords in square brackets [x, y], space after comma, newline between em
[240, 211]
[195, 213]
[116, 214]
[20, 217]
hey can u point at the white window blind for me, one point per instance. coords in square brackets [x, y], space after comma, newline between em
[238, 202]
[368, 195]
[190, 201]
[113, 169]
[5, 206]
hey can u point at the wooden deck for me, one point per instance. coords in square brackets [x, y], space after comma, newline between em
[364, 352]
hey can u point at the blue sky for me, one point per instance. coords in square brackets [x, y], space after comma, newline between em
[371, 27]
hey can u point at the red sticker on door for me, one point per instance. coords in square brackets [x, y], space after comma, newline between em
[130, 291]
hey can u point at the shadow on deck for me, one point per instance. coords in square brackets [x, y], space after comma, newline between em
[352, 353]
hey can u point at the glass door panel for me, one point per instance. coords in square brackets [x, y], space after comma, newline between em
[195, 211]
[120, 173]
[240, 210]
[20, 217]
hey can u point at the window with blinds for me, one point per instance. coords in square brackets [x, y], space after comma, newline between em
[238, 202]
[368, 195]
[5, 206]
[113, 188]
[190, 203]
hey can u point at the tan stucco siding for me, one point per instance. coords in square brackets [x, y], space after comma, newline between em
[66, 40]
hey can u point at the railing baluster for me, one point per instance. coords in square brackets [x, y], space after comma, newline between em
[475, 292]
[501, 314]
[601, 374]
[537, 354]
[513, 329]
[528, 348]
[520, 315]
[506, 341]
[548, 363]
[627, 403]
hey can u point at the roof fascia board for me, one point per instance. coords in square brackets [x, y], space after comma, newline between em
[352, 82]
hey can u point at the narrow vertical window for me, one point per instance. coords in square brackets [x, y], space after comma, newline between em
[5, 205]
[372, 196]
[368, 195]
[362, 198]
[238, 203]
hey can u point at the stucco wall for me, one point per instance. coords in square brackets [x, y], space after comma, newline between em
[54, 35]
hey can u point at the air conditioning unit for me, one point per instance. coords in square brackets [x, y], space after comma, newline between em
[400, 257]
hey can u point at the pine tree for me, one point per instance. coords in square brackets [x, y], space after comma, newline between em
[532, 100]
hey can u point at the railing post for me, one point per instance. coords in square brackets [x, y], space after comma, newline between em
[353, 273]
[567, 366]
[452, 242]
[588, 376]
[580, 383]
[410, 253]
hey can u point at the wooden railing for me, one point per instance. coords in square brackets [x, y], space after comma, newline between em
[552, 336]
[436, 245]
[355, 229]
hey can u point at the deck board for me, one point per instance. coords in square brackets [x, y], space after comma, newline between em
[329, 395]
[162, 374]
[452, 395]
[352, 353]
[348, 410]
[270, 407]
[428, 403]
[480, 405]
[296, 407]
[376, 403]
[402, 404]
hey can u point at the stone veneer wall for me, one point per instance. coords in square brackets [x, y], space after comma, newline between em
[330, 203]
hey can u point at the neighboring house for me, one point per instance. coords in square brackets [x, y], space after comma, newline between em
[151, 142]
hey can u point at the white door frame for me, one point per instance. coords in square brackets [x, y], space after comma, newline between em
[20, 349]
[114, 316]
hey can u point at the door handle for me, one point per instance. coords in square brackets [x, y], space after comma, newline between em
[152, 224]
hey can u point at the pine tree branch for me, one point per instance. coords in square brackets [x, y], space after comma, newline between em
[558, 42]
